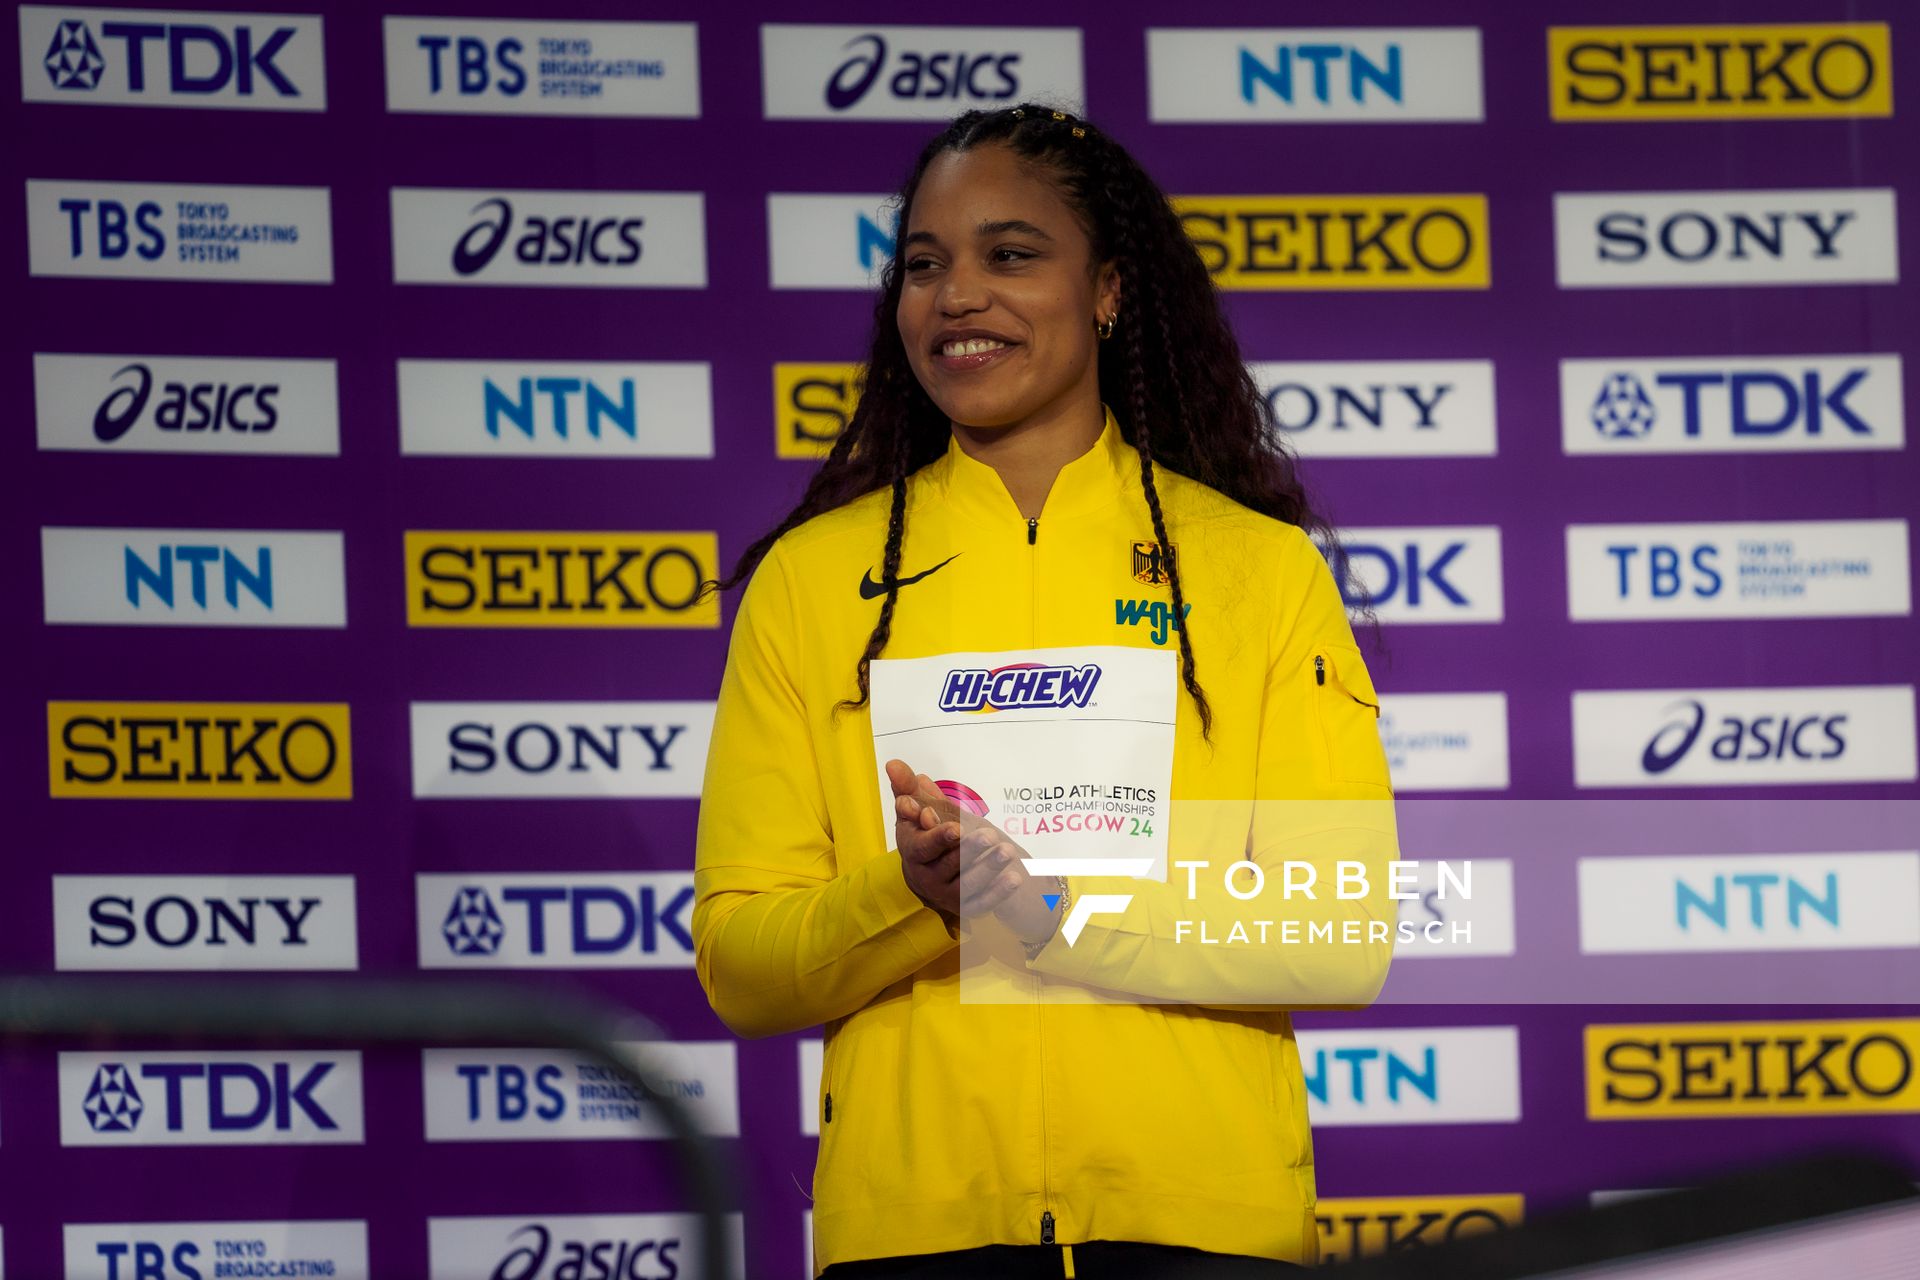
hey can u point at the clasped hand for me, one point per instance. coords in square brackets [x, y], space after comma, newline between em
[960, 864]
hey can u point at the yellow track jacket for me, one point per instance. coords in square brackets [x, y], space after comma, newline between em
[1049, 1116]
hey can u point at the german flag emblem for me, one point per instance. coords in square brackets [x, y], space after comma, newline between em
[1150, 564]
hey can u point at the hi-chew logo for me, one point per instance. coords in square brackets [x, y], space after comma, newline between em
[575, 1247]
[179, 231]
[1351, 1229]
[1019, 686]
[1340, 241]
[1769, 71]
[193, 577]
[1779, 569]
[1304, 75]
[579, 749]
[1445, 741]
[209, 1098]
[1732, 404]
[1660, 1071]
[1441, 574]
[183, 404]
[497, 409]
[204, 922]
[1382, 408]
[473, 67]
[831, 242]
[513, 1095]
[200, 750]
[1743, 737]
[171, 58]
[1749, 902]
[192, 1250]
[607, 239]
[1439, 1075]
[815, 72]
[556, 920]
[1668, 238]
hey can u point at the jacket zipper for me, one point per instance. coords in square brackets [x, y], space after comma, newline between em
[1319, 669]
[1039, 1020]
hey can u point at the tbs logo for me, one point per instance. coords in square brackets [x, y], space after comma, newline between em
[260, 62]
[635, 921]
[209, 1099]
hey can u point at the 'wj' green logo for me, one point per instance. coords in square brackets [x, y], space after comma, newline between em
[1156, 613]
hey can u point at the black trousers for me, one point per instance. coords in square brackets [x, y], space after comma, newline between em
[1094, 1260]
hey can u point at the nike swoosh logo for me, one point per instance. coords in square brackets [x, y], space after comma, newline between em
[871, 590]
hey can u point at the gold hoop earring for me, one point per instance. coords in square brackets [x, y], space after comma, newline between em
[1106, 330]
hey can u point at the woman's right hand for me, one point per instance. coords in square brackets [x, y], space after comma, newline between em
[927, 831]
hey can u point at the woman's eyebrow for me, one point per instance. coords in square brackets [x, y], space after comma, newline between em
[985, 229]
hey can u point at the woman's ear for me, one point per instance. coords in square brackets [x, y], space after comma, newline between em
[1106, 289]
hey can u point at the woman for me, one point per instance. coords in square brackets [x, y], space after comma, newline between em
[1055, 423]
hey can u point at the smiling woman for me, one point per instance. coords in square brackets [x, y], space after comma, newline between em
[1057, 453]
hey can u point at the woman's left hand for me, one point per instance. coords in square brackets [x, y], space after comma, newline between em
[994, 878]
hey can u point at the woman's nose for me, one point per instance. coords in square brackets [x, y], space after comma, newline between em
[961, 291]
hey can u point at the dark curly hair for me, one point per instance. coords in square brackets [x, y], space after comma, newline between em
[1173, 374]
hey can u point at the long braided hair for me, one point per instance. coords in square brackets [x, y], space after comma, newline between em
[1175, 378]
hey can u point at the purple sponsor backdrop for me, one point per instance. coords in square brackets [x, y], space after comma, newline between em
[1518, 157]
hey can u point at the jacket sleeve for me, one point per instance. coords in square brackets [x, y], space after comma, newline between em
[1321, 800]
[782, 939]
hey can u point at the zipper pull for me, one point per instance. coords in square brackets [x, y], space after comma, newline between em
[1319, 669]
[1046, 1228]
[1033, 529]
[829, 1110]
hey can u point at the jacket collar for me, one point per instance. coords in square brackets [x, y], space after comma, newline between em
[1090, 483]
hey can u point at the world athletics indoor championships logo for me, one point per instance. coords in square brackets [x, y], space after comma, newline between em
[1018, 686]
[73, 59]
[113, 1104]
[472, 926]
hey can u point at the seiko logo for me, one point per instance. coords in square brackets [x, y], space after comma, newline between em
[169, 749]
[486, 579]
[1774, 1068]
[1726, 72]
[1351, 1229]
[1017, 686]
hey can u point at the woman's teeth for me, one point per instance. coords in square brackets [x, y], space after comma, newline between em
[971, 347]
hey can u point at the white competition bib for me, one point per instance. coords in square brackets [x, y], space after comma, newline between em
[1069, 751]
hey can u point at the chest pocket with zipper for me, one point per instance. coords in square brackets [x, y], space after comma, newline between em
[1348, 712]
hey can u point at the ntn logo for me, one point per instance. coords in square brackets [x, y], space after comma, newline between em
[1319, 61]
[159, 575]
[521, 407]
[1690, 901]
[1370, 1072]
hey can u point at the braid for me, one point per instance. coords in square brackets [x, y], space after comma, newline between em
[889, 572]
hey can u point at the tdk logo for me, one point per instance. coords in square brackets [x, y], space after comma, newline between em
[1725, 238]
[194, 577]
[912, 73]
[1708, 737]
[1371, 74]
[1749, 902]
[170, 404]
[199, 1099]
[204, 922]
[1438, 1075]
[142, 57]
[1020, 685]
[528, 921]
[1447, 574]
[1759, 404]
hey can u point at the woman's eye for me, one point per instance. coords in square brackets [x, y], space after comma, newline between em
[919, 264]
[1017, 255]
